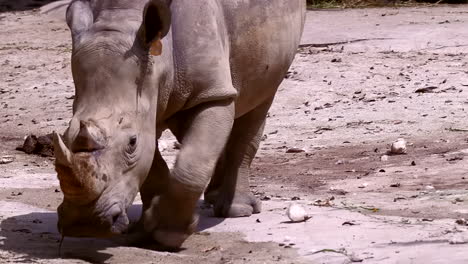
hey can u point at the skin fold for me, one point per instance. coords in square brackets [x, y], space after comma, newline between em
[212, 81]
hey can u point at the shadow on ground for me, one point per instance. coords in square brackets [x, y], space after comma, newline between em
[22, 5]
[35, 236]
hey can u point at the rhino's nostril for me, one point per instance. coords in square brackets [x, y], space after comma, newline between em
[115, 218]
[114, 214]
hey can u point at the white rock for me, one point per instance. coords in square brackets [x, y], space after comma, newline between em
[296, 213]
[7, 159]
[460, 238]
[398, 147]
[354, 257]
[384, 158]
[430, 187]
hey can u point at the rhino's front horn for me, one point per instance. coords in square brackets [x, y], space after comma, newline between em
[89, 139]
[63, 156]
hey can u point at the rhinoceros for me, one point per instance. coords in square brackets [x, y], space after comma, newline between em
[207, 71]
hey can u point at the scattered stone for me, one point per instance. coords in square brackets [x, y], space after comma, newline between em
[396, 199]
[413, 163]
[321, 129]
[454, 159]
[430, 187]
[324, 203]
[428, 89]
[462, 221]
[364, 185]
[384, 158]
[339, 162]
[398, 147]
[350, 223]
[337, 191]
[353, 257]
[295, 150]
[42, 145]
[336, 60]
[395, 185]
[6, 159]
[297, 213]
[29, 144]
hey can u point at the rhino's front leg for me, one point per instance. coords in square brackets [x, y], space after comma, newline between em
[171, 217]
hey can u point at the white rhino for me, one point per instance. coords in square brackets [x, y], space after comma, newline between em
[206, 70]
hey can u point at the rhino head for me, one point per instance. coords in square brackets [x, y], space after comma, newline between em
[107, 150]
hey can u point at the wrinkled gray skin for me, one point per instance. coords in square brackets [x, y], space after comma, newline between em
[221, 64]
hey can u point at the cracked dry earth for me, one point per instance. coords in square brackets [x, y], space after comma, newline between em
[338, 110]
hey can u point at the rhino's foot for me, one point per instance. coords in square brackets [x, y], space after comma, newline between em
[243, 204]
[168, 224]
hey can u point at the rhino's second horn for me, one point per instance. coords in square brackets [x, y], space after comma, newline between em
[88, 139]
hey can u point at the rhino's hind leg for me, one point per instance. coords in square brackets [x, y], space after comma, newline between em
[229, 189]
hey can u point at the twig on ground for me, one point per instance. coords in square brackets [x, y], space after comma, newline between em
[323, 45]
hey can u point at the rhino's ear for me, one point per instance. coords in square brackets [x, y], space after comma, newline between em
[156, 21]
[79, 16]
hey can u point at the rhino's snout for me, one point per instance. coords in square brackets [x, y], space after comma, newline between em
[118, 220]
[73, 222]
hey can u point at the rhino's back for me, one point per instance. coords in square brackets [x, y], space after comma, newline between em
[264, 35]
[248, 44]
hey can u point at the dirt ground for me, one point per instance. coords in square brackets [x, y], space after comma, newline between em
[347, 97]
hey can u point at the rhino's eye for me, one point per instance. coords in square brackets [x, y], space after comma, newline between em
[132, 142]
[132, 145]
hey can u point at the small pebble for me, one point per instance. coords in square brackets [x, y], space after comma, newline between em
[398, 147]
[6, 159]
[295, 150]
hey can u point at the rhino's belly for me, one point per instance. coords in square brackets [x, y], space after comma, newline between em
[257, 84]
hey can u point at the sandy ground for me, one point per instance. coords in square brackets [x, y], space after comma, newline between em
[342, 104]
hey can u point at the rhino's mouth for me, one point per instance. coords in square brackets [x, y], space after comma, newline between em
[119, 220]
[113, 221]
